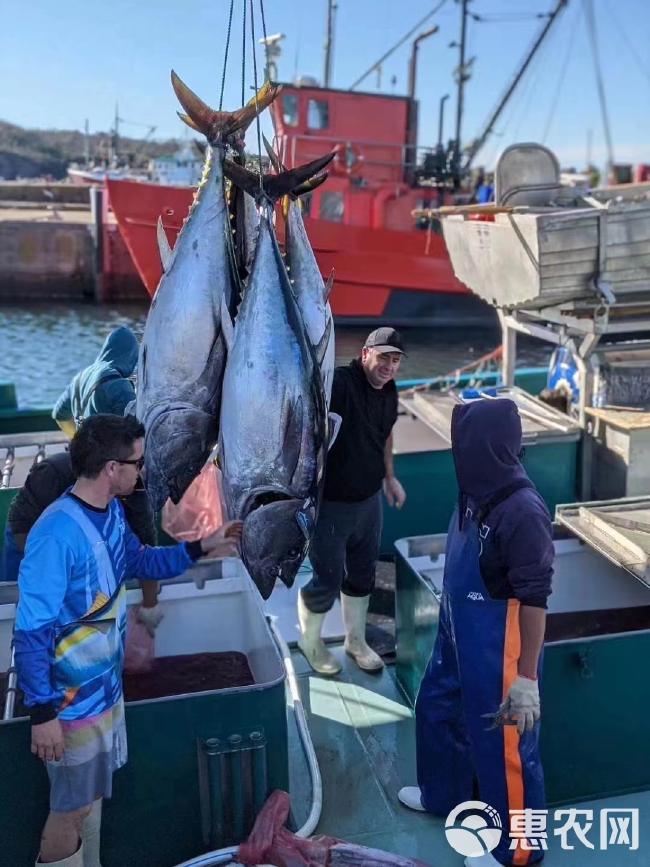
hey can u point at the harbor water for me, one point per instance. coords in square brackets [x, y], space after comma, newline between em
[42, 346]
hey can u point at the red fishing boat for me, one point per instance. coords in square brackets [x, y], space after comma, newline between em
[389, 265]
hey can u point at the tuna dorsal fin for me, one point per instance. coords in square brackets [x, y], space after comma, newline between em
[328, 286]
[274, 186]
[226, 324]
[321, 348]
[335, 422]
[163, 245]
[273, 157]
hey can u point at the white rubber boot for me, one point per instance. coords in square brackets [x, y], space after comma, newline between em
[355, 611]
[411, 797]
[76, 860]
[90, 835]
[310, 642]
[487, 859]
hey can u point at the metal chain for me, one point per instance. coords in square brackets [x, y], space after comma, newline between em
[225, 59]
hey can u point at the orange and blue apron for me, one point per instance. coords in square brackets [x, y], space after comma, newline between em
[473, 663]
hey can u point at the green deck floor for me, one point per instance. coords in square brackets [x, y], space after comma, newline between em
[364, 735]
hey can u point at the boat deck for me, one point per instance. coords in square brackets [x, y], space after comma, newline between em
[364, 735]
[363, 732]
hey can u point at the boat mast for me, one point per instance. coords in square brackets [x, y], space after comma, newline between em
[462, 78]
[331, 8]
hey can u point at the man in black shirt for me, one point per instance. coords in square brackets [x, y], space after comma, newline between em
[345, 545]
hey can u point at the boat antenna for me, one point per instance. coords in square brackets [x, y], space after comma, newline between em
[480, 140]
[397, 45]
[331, 9]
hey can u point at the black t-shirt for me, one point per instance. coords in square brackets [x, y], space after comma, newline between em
[44, 484]
[355, 464]
[51, 478]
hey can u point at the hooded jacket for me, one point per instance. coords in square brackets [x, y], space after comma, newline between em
[111, 369]
[517, 552]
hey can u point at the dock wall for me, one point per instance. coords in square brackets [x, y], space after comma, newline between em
[46, 260]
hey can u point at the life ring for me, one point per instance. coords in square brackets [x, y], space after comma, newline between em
[348, 160]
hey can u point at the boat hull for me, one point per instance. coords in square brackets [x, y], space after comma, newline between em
[381, 275]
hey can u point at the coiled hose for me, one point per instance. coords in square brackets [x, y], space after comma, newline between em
[223, 856]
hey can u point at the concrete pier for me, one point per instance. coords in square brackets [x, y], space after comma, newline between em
[52, 246]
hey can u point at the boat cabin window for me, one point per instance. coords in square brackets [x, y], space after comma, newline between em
[331, 206]
[290, 109]
[317, 114]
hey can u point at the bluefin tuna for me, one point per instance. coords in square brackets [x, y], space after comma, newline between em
[183, 352]
[274, 429]
[310, 289]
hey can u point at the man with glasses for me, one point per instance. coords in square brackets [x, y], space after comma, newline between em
[70, 625]
[105, 387]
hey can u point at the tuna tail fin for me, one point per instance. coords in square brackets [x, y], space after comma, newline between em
[217, 126]
[274, 187]
[309, 185]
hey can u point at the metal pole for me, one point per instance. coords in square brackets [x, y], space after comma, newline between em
[331, 6]
[411, 137]
[441, 117]
[461, 78]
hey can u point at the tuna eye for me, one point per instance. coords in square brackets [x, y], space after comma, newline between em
[294, 552]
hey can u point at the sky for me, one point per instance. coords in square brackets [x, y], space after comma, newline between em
[62, 63]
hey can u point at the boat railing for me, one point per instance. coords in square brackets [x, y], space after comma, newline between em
[38, 440]
[287, 146]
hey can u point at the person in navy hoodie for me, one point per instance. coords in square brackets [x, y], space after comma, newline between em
[487, 657]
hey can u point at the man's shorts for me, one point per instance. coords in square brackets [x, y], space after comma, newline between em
[93, 749]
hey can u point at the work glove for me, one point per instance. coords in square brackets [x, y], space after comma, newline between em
[150, 617]
[522, 701]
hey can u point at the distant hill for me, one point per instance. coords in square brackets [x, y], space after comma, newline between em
[30, 153]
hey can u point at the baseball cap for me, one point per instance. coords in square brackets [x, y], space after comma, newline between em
[385, 340]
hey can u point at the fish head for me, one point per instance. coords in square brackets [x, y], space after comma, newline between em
[275, 539]
[177, 446]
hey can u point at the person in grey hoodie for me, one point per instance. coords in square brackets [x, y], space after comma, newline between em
[105, 387]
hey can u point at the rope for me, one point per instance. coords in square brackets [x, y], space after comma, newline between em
[225, 59]
[623, 33]
[257, 119]
[453, 375]
[243, 59]
[563, 71]
[263, 21]
[591, 29]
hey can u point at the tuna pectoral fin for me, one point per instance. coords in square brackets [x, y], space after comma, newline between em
[218, 125]
[163, 245]
[274, 186]
[335, 421]
[321, 348]
[226, 324]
